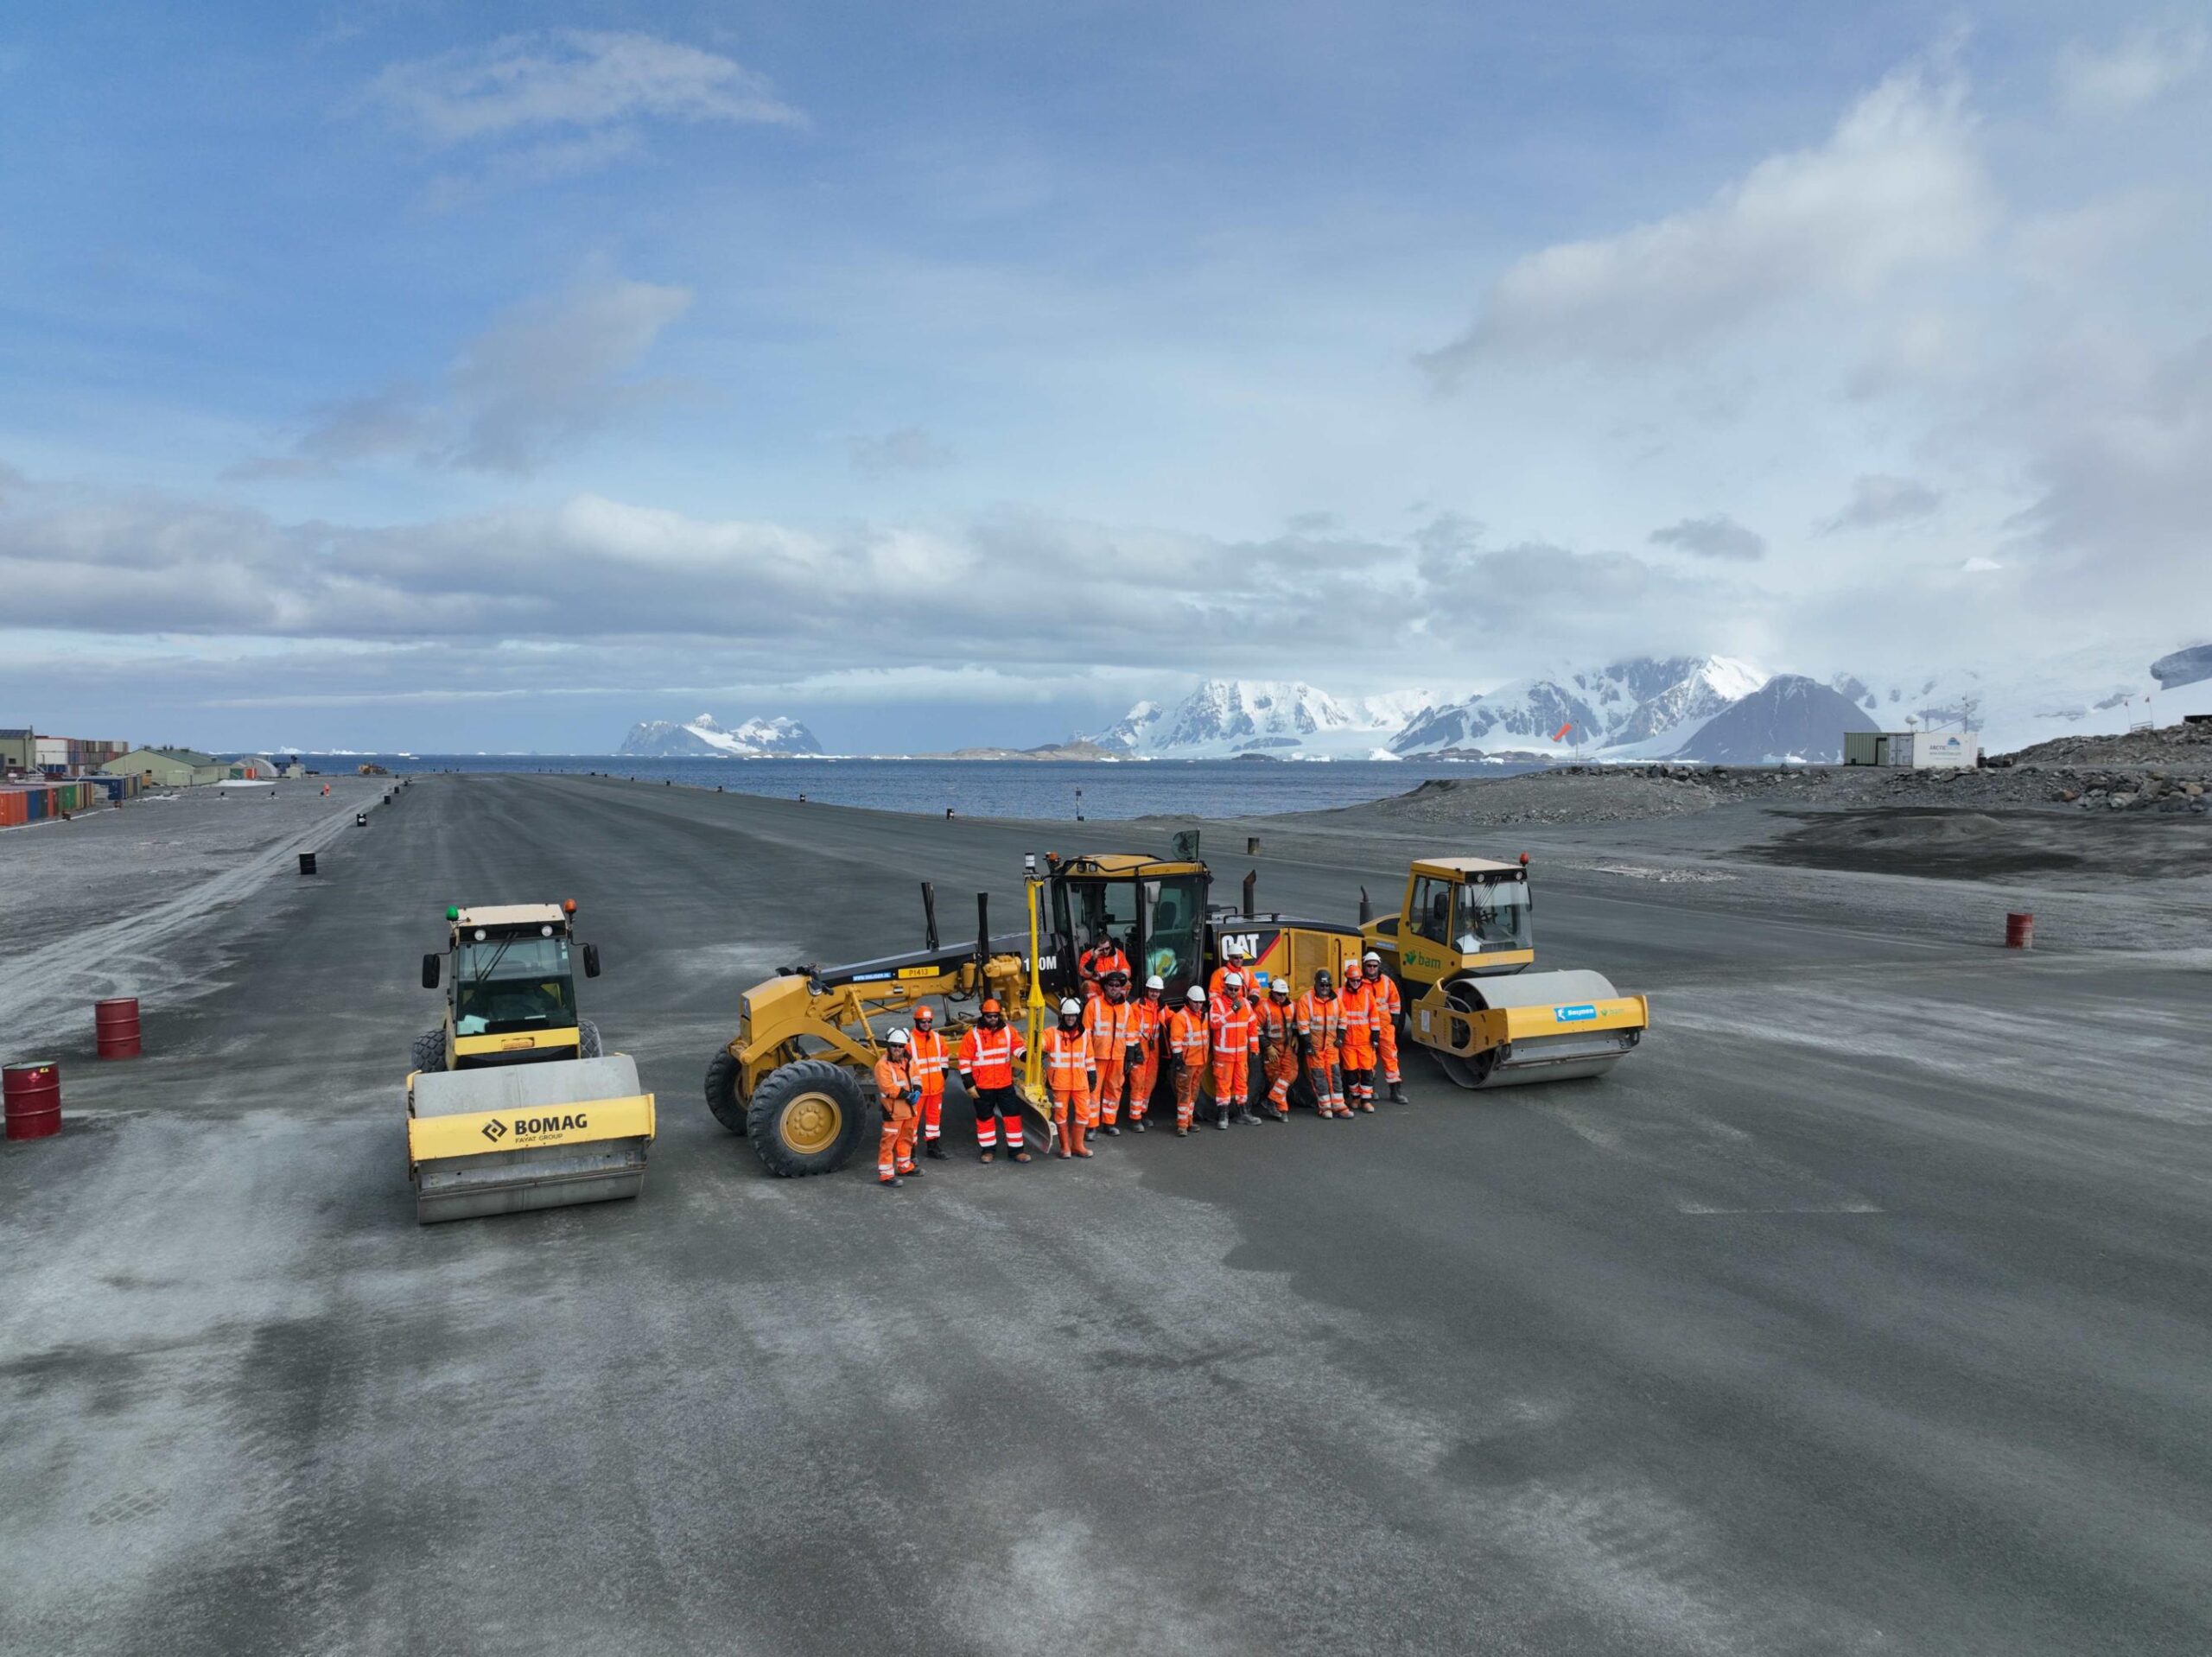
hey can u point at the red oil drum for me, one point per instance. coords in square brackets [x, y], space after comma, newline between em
[2020, 931]
[31, 1094]
[115, 1023]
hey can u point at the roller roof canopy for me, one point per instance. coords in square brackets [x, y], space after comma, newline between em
[1463, 865]
[511, 915]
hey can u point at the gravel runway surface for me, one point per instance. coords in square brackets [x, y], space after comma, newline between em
[1864, 1309]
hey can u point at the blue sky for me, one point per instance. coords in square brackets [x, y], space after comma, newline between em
[409, 374]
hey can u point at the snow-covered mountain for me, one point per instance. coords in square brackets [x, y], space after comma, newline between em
[2097, 689]
[754, 738]
[1642, 706]
[1788, 717]
[1290, 719]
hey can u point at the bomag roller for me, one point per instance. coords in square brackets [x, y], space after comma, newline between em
[1460, 947]
[793, 1079]
[511, 1105]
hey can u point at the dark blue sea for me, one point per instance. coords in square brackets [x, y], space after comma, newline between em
[1038, 790]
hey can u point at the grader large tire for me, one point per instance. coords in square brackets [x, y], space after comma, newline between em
[808, 1118]
[721, 1092]
[431, 1049]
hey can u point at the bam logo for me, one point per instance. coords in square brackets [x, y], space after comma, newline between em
[495, 1130]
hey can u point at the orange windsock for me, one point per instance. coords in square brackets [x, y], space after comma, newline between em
[1559, 735]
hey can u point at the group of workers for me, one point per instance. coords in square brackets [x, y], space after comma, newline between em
[1103, 1058]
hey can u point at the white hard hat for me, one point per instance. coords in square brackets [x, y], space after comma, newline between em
[1155, 983]
[1234, 947]
[1071, 1006]
[897, 1038]
[1375, 955]
[1280, 987]
[1195, 994]
[1232, 980]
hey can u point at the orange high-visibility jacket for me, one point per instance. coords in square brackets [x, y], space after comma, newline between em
[1358, 1003]
[989, 1056]
[1152, 1019]
[1387, 1005]
[1235, 1028]
[930, 1059]
[1186, 1035]
[1099, 960]
[1277, 1020]
[1112, 1026]
[892, 1080]
[1321, 1022]
[1067, 1058]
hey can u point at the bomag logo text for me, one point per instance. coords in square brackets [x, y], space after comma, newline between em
[527, 1125]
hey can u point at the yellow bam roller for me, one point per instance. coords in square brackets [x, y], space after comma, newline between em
[512, 1104]
[1460, 947]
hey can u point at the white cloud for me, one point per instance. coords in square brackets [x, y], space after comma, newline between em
[544, 376]
[1878, 498]
[550, 372]
[570, 78]
[2143, 65]
[1716, 537]
[1898, 185]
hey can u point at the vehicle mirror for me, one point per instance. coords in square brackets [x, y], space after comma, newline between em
[591, 961]
[429, 972]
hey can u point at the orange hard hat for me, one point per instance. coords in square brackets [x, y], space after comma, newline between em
[992, 1006]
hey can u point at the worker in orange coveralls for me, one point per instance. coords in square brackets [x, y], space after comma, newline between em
[1358, 1003]
[987, 1056]
[1389, 1009]
[1235, 1034]
[932, 1060]
[1072, 1078]
[1102, 957]
[1278, 1046]
[1110, 1020]
[1320, 1042]
[1152, 1031]
[1187, 1036]
[899, 1093]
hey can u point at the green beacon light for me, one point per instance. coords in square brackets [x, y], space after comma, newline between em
[453, 911]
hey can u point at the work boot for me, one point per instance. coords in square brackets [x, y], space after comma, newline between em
[1282, 1115]
[893, 1180]
[1111, 1129]
[1018, 1156]
[1221, 1119]
[1137, 1126]
[1398, 1093]
[914, 1173]
[986, 1157]
[1246, 1115]
[934, 1150]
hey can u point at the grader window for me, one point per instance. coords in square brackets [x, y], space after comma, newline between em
[1172, 911]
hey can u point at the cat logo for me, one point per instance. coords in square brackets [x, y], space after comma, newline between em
[495, 1130]
[1247, 943]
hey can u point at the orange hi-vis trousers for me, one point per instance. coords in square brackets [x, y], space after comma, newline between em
[894, 1152]
[1187, 1083]
[1386, 1044]
[1321, 1076]
[1143, 1079]
[1282, 1062]
[1232, 1078]
[1106, 1104]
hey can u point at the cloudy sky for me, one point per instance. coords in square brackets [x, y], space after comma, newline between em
[479, 376]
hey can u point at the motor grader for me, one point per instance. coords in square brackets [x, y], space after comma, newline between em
[792, 1079]
[511, 1105]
